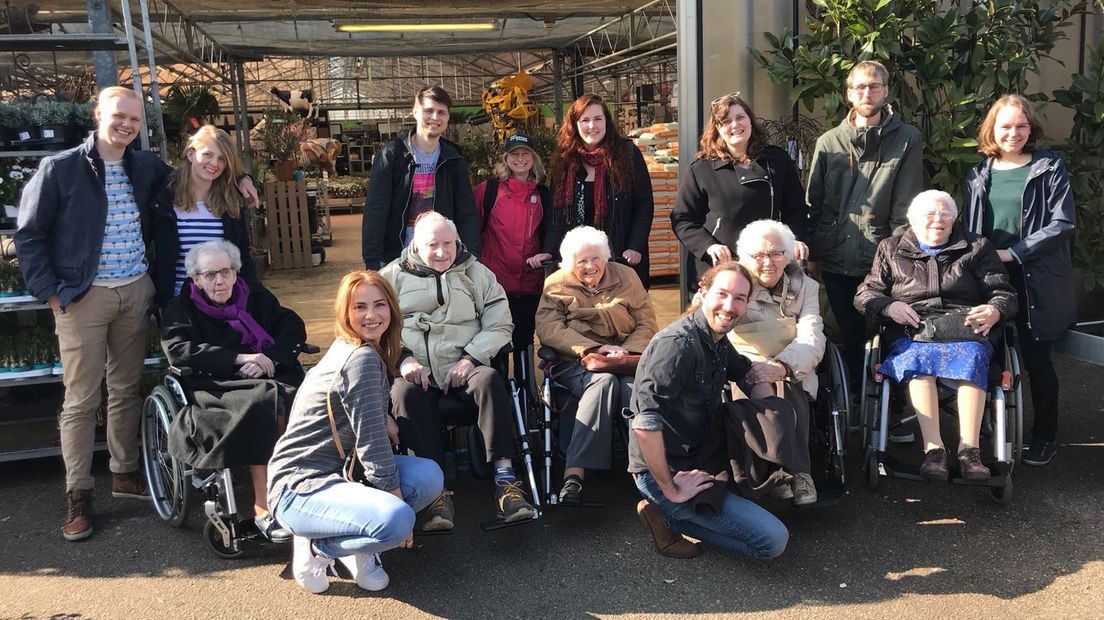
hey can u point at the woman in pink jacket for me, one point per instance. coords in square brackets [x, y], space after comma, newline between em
[512, 206]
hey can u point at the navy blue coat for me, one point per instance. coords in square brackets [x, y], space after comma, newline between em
[63, 213]
[1046, 239]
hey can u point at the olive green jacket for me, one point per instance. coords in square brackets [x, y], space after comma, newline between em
[860, 184]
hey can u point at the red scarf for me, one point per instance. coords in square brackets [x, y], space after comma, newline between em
[567, 201]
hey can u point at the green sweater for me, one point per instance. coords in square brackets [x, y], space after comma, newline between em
[861, 182]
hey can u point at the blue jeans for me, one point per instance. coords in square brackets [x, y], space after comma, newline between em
[741, 526]
[348, 518]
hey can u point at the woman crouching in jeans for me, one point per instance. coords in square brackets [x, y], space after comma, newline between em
[342, 408]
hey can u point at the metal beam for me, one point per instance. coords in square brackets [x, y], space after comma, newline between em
[99, 20]
[690, 102]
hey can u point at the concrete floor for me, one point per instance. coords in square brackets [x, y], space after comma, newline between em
[907, 550]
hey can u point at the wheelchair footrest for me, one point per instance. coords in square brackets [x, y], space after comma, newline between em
[498, 524]
[579, 505]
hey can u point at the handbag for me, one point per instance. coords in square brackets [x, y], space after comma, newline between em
[767, 338]
[351, 470]
[623, 365]
[949, 326]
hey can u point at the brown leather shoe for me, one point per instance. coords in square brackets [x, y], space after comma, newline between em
[130, 485]
[78, 515]
[667, 543]
[969, 463]
[935, 464]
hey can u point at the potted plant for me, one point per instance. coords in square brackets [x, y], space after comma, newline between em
[9, 122]
[52, 118]
[22, 125]
[8, 272]
[82, 120]
[12, 180]
[281, 135]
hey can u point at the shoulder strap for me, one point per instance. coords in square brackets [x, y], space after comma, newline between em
[490, 193]
[333, 427]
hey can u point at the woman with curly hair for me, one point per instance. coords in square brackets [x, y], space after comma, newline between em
[599, 179]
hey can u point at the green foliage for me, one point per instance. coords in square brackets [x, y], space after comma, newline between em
[281, 134]
[1084, 155]
[184, 101]
[482, 154]
[948, 65]
[51, 113]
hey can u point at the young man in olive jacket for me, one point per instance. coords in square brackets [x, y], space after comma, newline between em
[864, 173]
[414, 174]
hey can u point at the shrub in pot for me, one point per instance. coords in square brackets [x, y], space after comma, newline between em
[25, 130]
[53, 121]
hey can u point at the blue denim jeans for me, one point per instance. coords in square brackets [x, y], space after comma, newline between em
[348, 517]
[741, 526]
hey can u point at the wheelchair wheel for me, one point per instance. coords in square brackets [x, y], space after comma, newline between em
[871, 477]
[1002, 494]
[168, 485]
[213, 538]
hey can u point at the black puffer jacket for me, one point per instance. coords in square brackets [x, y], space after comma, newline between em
[966, 274]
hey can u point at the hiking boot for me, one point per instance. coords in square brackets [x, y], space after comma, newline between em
[668, 543]
[308, 569]
[935, 464]
[131, 485]
[271, 529]
[78, 515]
[367, 570]
[782, 492]
[970, 465]
[1040, 452]
[804, 491]
[440, 514]
[571, 493]
[511, 503]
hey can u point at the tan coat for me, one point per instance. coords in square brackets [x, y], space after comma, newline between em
[802, 301]
[573, 319]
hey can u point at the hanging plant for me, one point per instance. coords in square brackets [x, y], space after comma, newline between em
[190, 105]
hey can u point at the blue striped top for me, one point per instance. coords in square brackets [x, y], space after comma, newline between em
[193, 228]
[122, 259]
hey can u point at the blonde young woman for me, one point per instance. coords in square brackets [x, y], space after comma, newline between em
[200, 203]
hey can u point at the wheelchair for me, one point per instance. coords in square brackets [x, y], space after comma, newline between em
[173, 484]
[1002, 420]
[455, 416]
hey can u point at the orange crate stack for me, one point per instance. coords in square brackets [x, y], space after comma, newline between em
[659, 144]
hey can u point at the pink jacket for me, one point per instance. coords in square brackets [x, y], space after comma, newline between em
[513, 234]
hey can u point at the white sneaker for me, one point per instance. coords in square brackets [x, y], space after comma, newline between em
[367, 570]
[804, 491]
[308, 569]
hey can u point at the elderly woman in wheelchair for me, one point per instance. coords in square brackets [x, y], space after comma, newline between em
[943, 291]
[597, 318]
[237, 349]
[782, 333]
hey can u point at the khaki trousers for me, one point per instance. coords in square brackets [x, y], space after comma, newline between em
[112, 325]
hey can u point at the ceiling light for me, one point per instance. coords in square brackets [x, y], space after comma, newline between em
[415, 26]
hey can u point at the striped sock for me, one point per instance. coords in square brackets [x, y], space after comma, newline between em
[505, 474]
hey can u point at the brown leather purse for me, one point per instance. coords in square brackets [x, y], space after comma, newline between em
[624, 365]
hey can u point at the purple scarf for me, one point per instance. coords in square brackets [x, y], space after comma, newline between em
[254, 338]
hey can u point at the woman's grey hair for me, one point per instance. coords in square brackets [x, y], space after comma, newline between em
[753, 234]
[191, 260]
[578, 238]
[927, 197]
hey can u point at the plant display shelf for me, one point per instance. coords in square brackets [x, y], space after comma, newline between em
[35, 438]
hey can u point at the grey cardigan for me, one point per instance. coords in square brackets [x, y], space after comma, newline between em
[306, 459]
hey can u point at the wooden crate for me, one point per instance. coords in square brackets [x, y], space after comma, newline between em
[289, 240]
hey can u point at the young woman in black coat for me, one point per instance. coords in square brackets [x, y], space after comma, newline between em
[241, 348]
[600, 179]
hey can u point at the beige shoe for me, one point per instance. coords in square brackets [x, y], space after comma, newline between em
[804, 491]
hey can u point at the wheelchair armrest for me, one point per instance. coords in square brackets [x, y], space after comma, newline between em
[309, 348]
[547, 354]
[501, 360]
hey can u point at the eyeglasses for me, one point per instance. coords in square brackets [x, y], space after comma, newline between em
[716, 102]
[209, 276]
[773, 256]
[874, 88]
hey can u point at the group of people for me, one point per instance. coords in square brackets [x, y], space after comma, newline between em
[455, 275]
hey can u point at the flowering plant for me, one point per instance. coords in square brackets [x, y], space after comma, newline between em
[12, 179]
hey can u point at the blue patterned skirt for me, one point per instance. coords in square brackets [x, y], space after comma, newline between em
[964, 361]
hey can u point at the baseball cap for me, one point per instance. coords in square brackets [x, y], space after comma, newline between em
[516, 141]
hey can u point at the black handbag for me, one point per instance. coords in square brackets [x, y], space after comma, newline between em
[949, 326]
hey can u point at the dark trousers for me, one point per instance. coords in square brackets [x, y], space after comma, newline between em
[419, 418]
[523, 308]
[852, 324]
[1035, 356]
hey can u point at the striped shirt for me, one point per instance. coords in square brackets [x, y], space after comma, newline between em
[122, 259]
[193, 228]
[305, 458]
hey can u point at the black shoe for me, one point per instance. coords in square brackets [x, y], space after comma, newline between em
[935, 464]
[271, 529]
[1040, 453]
[571, 493]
